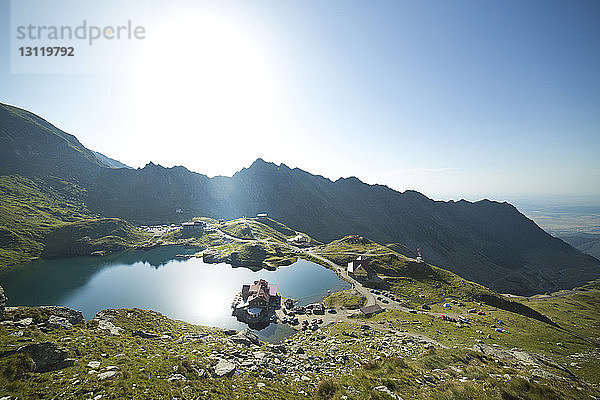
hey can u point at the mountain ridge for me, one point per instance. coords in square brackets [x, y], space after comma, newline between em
[110, 162]
[486, 241]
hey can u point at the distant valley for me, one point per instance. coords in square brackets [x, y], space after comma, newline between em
[578, 225]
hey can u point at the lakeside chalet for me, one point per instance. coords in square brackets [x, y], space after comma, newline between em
[256, 303]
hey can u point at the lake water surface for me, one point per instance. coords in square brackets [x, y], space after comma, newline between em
[186, 289]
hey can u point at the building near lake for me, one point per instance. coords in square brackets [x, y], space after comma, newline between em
[255, 304]
[359, 267]
[371, 310]
[299, 240]
[193, 227]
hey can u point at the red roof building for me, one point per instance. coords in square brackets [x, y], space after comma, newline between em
[260, 293]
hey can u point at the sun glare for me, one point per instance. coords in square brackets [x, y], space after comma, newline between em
[204, 86]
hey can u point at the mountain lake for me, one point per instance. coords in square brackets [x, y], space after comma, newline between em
[185, 289]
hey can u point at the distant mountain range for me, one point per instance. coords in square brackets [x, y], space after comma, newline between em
[489, 242]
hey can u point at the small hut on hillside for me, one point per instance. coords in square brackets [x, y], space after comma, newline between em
[371, 310]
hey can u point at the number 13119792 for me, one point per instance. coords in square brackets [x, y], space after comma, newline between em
[47, 51]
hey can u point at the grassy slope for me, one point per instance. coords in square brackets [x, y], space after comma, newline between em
[263, 229]
[419, 283]
[578, 315]
[49, 217]
[31, 208]
[90, 235]
[444, 374]
[349, 299]
[572, 342]
[144, 365]
[565, 328]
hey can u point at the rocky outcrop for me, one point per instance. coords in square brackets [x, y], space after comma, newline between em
[520, 358]
[46, 318]
[47, 356]
[108, 327]
[246, 337]
[212, 256]
[104, 320]
[73, 317]
[55, 322]
[2, 303]
[60, 318]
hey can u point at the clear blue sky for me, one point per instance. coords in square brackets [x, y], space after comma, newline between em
[456, 99]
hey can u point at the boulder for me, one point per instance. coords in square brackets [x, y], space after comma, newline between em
[108, 327]
[176, 377]
[224, 368]
[105, 322]
[56, 322]
[384, 389]
[145, 335]
[106, 375]
[25, 321]
[47, 356]
[245, 337]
